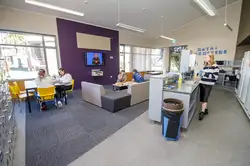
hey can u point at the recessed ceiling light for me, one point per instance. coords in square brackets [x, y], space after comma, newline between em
[53, 7]
[86, 2]
[144, 9]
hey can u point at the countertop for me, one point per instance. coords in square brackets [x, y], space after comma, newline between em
[185, 88]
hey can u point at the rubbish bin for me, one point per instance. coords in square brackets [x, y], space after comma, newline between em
[172, 110]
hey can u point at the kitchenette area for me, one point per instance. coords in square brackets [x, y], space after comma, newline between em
[167, 86]
[234, 76]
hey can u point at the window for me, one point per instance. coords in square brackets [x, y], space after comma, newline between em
[175, 57]
[142, 59]
[26, 53]
[175, 62]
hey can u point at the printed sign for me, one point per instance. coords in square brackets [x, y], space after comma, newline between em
[211, 50]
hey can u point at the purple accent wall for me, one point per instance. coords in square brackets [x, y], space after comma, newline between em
[72, 58]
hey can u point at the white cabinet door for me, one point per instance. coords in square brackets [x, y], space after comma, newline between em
[247, 102]
[245, 75]
[244, 92]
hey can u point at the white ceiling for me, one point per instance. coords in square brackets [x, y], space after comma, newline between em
[105, 13]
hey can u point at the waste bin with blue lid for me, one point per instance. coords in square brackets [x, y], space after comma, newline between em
[172, 111]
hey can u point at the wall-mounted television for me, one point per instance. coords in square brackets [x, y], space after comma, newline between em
[94, 59]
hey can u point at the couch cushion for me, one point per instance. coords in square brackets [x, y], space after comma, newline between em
[139, 92]
[116, 95]
[92, 92]
[116, 101]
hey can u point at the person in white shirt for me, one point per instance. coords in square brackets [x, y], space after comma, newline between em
[65, 80]
[43, 81]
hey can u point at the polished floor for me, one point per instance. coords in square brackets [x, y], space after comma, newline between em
[221, 139]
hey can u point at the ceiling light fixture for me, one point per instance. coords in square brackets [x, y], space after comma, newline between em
[162, 36]
[46, 5]
[165, 37]
[206, 6]
[121, 25]
[225, 22]
[125, 26]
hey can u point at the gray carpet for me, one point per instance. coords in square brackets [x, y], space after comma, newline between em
[57, 137]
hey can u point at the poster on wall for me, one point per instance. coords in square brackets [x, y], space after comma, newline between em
[211, 50]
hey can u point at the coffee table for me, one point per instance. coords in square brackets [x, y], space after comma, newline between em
[118, 87]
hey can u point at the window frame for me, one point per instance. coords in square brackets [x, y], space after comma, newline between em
[145, 51]
[43, 46]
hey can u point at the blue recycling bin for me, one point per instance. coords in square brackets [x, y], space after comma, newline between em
[172, 115]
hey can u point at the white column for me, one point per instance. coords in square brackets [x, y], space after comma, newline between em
[166, 58]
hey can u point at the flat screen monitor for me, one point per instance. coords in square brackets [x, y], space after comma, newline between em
[94, 59]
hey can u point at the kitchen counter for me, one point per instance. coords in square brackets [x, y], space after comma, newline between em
[188, 93]
[186, 88]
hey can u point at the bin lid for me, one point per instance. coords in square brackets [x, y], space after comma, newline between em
[171, 104]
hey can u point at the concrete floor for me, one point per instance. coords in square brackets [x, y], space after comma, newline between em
[221, 139]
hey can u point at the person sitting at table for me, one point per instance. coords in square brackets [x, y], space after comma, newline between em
[65, 80]
[137, 77]
[43, 81]
[122, 77]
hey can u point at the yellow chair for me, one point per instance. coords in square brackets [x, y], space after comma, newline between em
[16, 95]
[21, 85]
[20, 89]
[46, 95]
[72, 89]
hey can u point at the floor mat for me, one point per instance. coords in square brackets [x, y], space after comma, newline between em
[57, 137]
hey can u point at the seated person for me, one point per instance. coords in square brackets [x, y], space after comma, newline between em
[43, 81]
[65, 80]
[122, 77]
[137, 77]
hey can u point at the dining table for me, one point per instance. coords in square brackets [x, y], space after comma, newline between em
[30, 86]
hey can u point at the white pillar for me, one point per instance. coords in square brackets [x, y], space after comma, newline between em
[166, 58]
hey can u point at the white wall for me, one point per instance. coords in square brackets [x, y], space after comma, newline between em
[209, 31]
[135, 40]
[12, 19]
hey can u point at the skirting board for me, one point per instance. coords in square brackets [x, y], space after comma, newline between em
[243, 107]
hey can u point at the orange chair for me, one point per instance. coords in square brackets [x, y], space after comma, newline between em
[130, 75]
